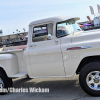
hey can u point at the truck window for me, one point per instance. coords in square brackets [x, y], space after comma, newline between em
[67, 27]
[40, 32]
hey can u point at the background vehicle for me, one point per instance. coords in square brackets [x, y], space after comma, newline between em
[1, 44]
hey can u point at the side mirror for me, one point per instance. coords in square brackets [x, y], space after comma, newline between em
[49, 37]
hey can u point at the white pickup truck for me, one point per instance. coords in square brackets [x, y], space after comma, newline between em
[63, 50]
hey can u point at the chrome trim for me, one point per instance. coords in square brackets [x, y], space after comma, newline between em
[93, 80]
[1, 84]
[80, 47]
[84, 47]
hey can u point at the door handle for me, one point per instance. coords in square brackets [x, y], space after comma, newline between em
[32, 45]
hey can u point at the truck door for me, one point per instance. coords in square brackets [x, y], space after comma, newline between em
[45, 53]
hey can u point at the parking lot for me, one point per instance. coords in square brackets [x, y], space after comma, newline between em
[59, 89]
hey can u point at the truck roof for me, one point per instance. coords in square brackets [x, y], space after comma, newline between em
[53, 19]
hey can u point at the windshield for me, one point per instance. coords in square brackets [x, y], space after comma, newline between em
[67, 27]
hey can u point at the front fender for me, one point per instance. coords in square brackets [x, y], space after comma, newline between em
[74, 58]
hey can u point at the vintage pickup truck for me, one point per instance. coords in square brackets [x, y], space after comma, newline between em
[63, 50]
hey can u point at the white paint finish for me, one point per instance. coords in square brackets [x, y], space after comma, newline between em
[22, 74]
[72, 58]
[75, 57]
[14, 62]
[46, 59]
[10, 65]
[53, 19]
[6, 56]
[85, 36]
[22, 69]
[28, 67]
[21, 61]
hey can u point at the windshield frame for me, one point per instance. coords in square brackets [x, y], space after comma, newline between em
[65, 22]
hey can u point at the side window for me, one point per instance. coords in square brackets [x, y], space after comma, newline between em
[40, 33]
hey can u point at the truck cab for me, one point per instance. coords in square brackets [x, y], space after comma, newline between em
[44, 46]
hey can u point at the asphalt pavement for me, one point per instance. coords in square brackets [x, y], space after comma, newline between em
[59, 89]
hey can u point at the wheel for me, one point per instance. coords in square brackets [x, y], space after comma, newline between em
[89, 78]
[5, 83]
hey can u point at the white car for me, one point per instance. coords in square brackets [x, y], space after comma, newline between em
[64, 51]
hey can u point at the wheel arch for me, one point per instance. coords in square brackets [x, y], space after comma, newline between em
[87, 60]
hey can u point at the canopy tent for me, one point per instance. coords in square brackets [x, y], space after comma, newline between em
[86, 24]
[26, 36]
[81, 25]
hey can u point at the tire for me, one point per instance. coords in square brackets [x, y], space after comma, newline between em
[89, 78]
[5, 81]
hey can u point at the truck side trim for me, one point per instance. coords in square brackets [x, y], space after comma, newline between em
[78, 48]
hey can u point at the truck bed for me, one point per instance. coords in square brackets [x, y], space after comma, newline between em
[21, 61]
[11, 51]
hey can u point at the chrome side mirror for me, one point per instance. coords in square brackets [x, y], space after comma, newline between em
[49, 37]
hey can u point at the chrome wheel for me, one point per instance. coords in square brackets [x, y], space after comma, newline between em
[1, 84]
[93, 80]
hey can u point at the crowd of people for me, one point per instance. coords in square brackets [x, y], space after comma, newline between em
[14, 42]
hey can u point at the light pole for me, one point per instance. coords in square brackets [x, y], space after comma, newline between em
[24, 29]
[1, 32]
[17, 30]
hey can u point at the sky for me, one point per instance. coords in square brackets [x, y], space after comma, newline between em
[17, 14]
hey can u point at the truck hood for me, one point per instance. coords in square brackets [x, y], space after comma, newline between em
[86, 36]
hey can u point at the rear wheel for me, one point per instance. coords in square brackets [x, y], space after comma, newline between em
[5, 83]
[90, 78]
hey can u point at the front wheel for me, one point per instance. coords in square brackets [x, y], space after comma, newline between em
[90, 78]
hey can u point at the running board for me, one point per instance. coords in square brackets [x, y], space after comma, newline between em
[19, 75]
